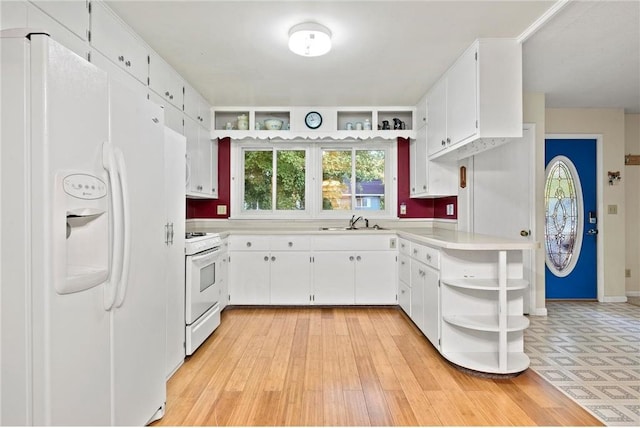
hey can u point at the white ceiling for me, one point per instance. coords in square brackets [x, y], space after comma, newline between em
[388, 52]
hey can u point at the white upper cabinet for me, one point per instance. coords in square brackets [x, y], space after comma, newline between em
[172, 114]
[478, 99]
[115, 40]
[437, 114]
[421, 113]
[60, 33]
[429, 178]
[164, 81]
[202, 161]
[72, 14]
[196, 107]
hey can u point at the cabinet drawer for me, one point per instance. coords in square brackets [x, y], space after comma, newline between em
[290, 243]
[427, 255]
[249, 243]
[355, 242]
[404, 246]
[404, 268]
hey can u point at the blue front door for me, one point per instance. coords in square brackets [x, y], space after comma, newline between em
[571, 219]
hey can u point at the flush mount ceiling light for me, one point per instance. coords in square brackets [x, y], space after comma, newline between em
[309, 39]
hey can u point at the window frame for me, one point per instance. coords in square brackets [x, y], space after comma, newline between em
[313, 181]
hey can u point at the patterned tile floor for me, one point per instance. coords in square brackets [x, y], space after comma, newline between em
[591, 352]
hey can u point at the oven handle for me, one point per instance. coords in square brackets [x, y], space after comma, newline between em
[205, 256]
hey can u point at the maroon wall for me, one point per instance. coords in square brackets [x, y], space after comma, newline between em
[416, 208]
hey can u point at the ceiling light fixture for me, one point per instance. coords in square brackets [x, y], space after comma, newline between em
[309, 39]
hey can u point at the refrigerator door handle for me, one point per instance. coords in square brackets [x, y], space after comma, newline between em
[111, 289]
[123, 284]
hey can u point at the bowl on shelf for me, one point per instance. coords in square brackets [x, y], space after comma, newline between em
[272, 124]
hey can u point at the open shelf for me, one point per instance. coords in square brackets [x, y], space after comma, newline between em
[488, 362]
[485, 284]
[487, 322]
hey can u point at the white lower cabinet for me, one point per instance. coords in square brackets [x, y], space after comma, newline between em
[333, 278]
[290, 276]
[267, 270]
[285, 270]
[250, 275]
[468, 303]
[223, 275]
[404, 297]
[375, 278]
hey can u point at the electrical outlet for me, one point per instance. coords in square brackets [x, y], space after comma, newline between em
[403, 209]
[612, 209]
[627, 273]
[222, 210]
[449, 209]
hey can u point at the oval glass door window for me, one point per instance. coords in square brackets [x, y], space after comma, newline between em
[563, 216]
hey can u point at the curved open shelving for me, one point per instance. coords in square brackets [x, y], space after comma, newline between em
[487, 322]
[488, 362]
[485, 284]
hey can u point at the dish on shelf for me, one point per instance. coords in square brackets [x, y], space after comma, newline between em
[273, 124]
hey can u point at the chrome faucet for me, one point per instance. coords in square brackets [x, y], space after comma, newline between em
[353, 221]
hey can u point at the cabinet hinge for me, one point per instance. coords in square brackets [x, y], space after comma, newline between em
[396, 297]
[89, 6]
[396, 258]
[184, 345]
[148, 59]
[229, 259]
[229, 298]
[476, 124]
[89, 56]
[148, 81]
[89, 35]
[438, 341]
[476, 55]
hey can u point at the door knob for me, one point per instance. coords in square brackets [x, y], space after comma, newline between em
[525, 232]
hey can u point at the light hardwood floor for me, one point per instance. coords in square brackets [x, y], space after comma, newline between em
[346, 366]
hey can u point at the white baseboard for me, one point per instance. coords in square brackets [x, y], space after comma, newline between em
[538, 312]
[614, 299]
[633, 293]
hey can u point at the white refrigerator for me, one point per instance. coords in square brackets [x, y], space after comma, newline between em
[83, 293]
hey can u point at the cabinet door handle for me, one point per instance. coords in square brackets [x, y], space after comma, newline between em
[415, 251]
[291, 244]
[448, 140]
[401, 245]
[402, 291]
[358, 258]
[213, 190]
[402, 263]
[128, 63]
[266, 258]
[248, 243]
[120, 58]
[429, 257]
[444, 143]
[166, 93]
[424, 187]
[170, 97]
[350, 258]
[273, 258]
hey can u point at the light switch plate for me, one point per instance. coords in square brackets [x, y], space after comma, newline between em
[222, 210]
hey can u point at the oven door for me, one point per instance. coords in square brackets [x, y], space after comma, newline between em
[202, 283]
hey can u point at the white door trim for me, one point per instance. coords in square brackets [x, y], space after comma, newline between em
[599, 199]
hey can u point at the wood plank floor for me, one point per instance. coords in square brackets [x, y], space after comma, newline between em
[346, 366]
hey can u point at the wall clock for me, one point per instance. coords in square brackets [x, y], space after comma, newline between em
[313, 120]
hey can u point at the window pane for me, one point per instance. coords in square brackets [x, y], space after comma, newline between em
[562, 216]
[258, 174]
[290, 180]
[370, 180]
[336, 180]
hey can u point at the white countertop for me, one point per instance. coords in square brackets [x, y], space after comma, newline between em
[442, 238]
